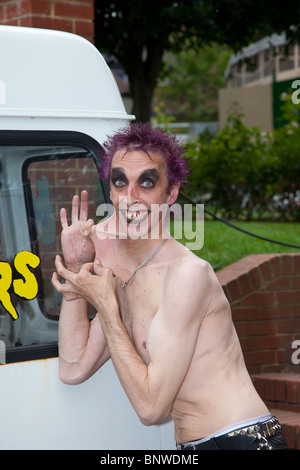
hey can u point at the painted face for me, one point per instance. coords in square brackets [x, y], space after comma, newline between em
[138, 188]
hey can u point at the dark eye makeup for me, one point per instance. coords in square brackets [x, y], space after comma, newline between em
[147, 179]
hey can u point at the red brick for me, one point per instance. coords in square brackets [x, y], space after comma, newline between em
[289, 434]
[266, 271]
[52, 23]
[272, 312]
[286, 264]
[234, 291]
[260, 357]
[297, 444]
[292, 391]
[296, 311]
[25, 21]
[281, 283]
[275, 265]
[280, 391]
[73, 10]
[240, 329]
[2, 13]
[296, 263]
[288, 326]
[246, 313]
[42, 7]
[283, 357]
[275, 341]
[84, 28]
[260, 298]
[18, 8]
[290, 297]
[269, 390]
[12, 22]
[251, 343]
[244, 284]
[296, 282]
[261, 328]
[268, 318]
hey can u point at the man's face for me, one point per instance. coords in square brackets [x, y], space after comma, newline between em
[138, 185]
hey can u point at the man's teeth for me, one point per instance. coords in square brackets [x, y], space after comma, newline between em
[138, 215]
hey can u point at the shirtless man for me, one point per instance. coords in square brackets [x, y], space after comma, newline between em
[162, 316]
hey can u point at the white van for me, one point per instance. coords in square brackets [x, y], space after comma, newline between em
[58, 102]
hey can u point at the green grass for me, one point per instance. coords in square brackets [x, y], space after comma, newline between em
[223, 245]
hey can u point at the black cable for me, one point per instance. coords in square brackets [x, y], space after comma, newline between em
[291, 245]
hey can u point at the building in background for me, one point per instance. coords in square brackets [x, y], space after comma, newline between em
[256, 77]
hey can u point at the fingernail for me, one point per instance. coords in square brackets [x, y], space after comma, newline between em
[85, 233]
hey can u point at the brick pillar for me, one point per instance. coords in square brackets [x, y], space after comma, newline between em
[264, 293]
[73, 16]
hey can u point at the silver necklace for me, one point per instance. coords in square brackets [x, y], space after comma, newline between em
[145, 262]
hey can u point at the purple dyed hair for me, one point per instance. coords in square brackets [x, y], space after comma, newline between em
[145, 137]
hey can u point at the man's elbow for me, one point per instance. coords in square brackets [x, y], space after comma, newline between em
[70, 374]
[151, 415]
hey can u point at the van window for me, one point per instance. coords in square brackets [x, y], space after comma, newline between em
[35, 183]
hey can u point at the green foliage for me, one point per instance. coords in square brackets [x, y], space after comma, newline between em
[190, 81]
[224, 245]
[247, 173]
[138, 33]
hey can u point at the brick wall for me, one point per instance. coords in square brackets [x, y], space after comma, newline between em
[73, 16]
[264, 293]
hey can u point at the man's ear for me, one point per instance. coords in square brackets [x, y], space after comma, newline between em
[173, 193]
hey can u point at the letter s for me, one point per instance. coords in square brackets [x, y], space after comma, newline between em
[5, 282]
[27, 289]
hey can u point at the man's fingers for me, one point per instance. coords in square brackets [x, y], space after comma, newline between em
[76, 214]
[98, 268]
[88, 227]
[75, 209]
[86, 268]
[84, 205]
[63, 218]
[55, 281]
[62, 271]
[65, 289]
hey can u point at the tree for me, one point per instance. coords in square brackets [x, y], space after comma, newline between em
[190, 83]
[138, 32]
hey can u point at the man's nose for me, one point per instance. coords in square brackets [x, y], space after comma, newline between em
[132, 194]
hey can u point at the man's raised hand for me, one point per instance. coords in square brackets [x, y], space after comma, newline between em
[77, 247]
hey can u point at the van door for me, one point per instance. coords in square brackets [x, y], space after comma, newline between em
[40, 172]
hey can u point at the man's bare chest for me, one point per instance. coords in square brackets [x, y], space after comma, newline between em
[138, 305]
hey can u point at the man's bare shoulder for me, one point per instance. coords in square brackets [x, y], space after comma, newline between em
[190, 285]
[188, 270]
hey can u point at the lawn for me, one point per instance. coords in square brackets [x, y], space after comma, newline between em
[223, 244]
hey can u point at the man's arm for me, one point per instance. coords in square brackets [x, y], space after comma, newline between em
[82, 347]
[171, 343]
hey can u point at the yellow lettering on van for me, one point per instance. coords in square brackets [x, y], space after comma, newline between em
[5, 282]
[28, 288]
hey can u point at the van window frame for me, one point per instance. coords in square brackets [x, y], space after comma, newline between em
[45, 138]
